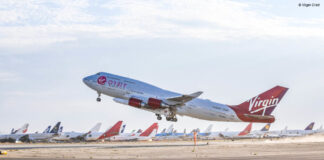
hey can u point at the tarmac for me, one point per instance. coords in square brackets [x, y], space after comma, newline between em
[310, 147]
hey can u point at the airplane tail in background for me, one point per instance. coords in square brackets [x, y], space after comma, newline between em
[148, 131]
[310, 126]
[209, 128]
[22, 129]
[170, 129]
[123, 129]
[47, 130]
[56, 128]
[246, 131]
[95, 128]
[163, 131]
[266, 127]
[113, 131]
[260, 107]
[60, 129]
[139, 131]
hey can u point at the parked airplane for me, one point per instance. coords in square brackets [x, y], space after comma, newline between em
[167, 132]
[163, 102]
[112, 131]
[295, 133]
[148, 134]
[171, 134]
[264, 132]
[201, 135]
[22, 129]
[30, 136]
[237, 135]
[76, 136]
[14, 134]
[48, 129]
[41, 136]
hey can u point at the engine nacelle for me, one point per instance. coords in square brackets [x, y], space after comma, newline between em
[136, 102]
[155, 103]
[151, 103]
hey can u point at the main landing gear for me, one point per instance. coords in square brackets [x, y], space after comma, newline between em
[169, 118]
[158, 116]
[173, 119]
[99, 99]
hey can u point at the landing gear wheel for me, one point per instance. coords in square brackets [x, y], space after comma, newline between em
[99, 99]
[168, 118]
[158, 116]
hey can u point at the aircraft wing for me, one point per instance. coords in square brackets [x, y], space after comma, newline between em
[184, 98]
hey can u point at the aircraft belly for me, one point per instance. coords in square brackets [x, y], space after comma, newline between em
[213, 112]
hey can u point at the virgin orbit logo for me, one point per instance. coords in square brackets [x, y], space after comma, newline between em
[257, 105]
[101, 80]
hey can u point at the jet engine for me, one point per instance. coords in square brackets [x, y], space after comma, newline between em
[155, 103]
[136, 102]
[151, 103]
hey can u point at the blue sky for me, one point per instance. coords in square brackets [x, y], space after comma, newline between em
[231, 50]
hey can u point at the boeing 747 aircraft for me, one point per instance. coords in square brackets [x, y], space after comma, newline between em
[163, 102]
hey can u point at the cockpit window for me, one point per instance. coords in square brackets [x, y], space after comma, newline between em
[98, 73]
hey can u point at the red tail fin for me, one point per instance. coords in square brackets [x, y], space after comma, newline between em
[259, 108]
[246, 131]
[148, 131]
[114, 130]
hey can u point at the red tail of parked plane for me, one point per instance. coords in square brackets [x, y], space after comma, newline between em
[148, 131]
[246, 131]
[114, 130]
[260, 107]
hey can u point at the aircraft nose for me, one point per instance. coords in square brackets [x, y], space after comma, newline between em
[86, 80]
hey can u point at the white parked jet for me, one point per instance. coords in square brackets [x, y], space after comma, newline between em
[163, 102]
[238, 135]
[41, 136]
[76, 136]
[296, 133]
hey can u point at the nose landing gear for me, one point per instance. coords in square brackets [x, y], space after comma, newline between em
[99, 99]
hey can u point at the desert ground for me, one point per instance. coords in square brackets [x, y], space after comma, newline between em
[309, 147]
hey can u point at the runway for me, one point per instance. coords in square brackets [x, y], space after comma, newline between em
[44, 146]
[290, 148]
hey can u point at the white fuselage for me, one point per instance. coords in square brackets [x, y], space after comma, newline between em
[66, 136]
[123, 88]
[31, 136]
